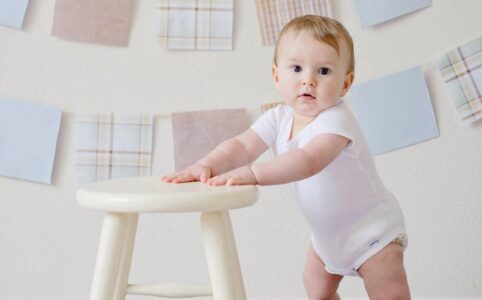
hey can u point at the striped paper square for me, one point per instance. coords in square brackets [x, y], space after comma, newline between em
[462, 71]
[113, 145]
[197, 133]
[196, 24]
[274, 14]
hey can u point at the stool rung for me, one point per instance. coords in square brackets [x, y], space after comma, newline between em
[171, 290]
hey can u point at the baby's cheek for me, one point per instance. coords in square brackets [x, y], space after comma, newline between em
[331, 89]
[287, 94]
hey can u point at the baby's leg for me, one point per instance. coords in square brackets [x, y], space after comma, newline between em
[319, 284]
[384, 275]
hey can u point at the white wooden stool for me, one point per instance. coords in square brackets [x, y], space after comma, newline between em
[124, 199]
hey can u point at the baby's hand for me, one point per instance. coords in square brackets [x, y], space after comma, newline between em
[240, 176]
[196, 172]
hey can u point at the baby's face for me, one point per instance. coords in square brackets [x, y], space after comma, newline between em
[310, 75]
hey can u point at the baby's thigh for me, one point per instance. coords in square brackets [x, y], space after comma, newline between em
[318, 282]
[384, 274]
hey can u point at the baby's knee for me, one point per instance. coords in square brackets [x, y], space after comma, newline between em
[319, 288]
[391, 292]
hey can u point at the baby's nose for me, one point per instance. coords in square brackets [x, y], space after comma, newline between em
[309, 82]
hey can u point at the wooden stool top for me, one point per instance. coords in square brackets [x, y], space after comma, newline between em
[150, 194]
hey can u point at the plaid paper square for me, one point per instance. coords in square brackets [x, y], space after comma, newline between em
[113, 145]
[197, 133]
[196, 24]
[274, 14]
[462, 71]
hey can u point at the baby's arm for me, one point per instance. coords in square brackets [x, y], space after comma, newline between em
[228, 155]
[301, 163]
[291, 166]
[235, 152]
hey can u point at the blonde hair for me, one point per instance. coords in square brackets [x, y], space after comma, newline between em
[322, 29]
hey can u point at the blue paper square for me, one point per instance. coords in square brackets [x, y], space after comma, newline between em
[395, 111]
[28, 139]
[372, 12]
[12, 12]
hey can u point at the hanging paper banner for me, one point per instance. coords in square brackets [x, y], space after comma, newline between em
[28, 139]
[274, 14]
[196, 24]
[373, 12]
[395, 111]
[462, 71]
[105, 22]
[197, 133]
[12, 12]
[113, 145]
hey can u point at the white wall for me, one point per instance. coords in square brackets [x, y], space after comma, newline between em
[48, 244]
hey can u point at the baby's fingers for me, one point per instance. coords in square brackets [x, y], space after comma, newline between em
[235, 181]
[217, 180]
[170, 177]
[178, 177]
[184, 178]
[204, 176]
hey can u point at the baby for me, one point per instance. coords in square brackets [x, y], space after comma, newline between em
[357, 226]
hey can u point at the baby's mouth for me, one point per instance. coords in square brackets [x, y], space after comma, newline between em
[306, 96]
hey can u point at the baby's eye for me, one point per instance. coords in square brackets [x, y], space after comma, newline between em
[296, 68]
[324, 71]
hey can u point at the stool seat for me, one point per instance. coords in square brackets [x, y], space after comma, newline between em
[150, 194]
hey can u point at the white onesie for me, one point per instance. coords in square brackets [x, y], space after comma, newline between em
[351, 214]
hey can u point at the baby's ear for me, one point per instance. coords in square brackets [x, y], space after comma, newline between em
[274, 72]
[349, 77]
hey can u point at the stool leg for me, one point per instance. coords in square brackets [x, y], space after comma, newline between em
[126, 258]
[108, 256]
[222, 257]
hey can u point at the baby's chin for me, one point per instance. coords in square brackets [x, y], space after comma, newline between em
[306, 110]
[305, 113]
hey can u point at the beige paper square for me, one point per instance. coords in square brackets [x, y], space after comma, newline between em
[195, 134]
[104, 22]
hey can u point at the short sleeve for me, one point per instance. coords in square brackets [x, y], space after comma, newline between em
[266, 127]
[337, 120]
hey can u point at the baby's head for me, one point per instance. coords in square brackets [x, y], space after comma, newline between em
[324, 30]
[313, 64]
